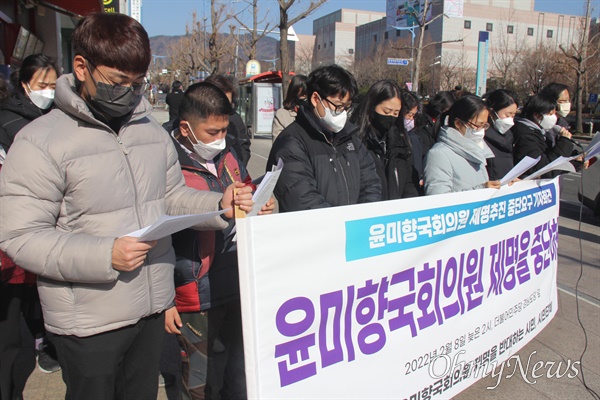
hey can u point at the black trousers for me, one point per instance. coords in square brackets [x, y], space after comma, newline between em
[18, 327]
[120, 364]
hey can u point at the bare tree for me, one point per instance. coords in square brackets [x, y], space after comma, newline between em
[189, 54]
[285, 21]
[506, 51]
[422, 23]
[304, 58]
[250, 40]
[452, 70]
[219, 44]
[579, 52]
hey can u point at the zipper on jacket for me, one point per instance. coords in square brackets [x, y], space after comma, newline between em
[123, 148]
[346, 183]
[137, 213]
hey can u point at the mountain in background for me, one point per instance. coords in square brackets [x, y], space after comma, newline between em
[267, 48]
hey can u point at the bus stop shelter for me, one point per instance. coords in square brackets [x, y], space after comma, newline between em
[260, 96]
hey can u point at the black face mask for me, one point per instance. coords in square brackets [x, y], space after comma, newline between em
[114, 101]
[383, 123]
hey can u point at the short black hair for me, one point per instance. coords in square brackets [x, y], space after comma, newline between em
[541, 103]
[409, 101]
[227, 85]
[203, 100]
[113, 40]
[554, 89]
[296, 89]
[438, 104]
[331, 80]
[32, 64]
[463, 110]
[176, 85]
[500, 99]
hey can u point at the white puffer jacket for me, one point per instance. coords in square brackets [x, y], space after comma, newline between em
[68, 188]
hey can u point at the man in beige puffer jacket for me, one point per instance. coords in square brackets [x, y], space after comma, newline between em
[79, 178]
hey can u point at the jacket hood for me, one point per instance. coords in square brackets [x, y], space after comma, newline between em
[307, 118]
[70, 102]
[464, 147]
[20, 104]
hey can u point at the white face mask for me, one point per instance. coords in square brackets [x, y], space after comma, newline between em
[475, 135]
[333, 123]
[502, 125]
[41, 98]
[564, 109]
[409, 124]
[548, 121]
[207, 151]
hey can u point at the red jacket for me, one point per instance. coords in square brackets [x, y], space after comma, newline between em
[206, 267]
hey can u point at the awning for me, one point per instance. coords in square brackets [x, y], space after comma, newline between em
[74, 7]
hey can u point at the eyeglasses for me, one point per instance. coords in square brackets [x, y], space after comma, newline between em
[118, 90]
[338, 109]
[477, 127]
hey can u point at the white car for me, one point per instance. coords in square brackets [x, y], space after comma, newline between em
[589, 191]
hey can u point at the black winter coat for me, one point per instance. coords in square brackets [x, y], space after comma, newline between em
[174, 100]
[237, 133]
[502, 147]
[394, 163]
[321, 169]
[530, 140]
[16, 112]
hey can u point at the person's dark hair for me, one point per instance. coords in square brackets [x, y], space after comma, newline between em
[463, 109]
[331, 80]
[177, 85]
[541, 103]
[554, 90]
[500, 98]
[224, 83]
[438, 104]
[113, 40]
[296, 89]
[409, 101]
[203, 100]
[379, 92]
[31, 64]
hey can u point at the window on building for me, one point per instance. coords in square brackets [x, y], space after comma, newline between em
[489, 27]
[350, 51]
[529, 31]
[331, 44]
[398, 32]
[510, 29]
[467, 24]
[386, 36]
[427, 27]
[319, 47]
[549, 33]
[374, 38]
[324, 45]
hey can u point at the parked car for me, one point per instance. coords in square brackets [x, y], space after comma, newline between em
[589, 191]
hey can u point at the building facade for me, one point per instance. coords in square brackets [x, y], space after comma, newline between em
[335, 35]
[512, 25]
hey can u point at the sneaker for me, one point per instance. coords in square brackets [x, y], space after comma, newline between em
[46, 358]
[165, 380]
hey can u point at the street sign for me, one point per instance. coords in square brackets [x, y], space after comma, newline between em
[593, 98]
[397, 61]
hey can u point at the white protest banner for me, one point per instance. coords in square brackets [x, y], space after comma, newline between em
[405, 299]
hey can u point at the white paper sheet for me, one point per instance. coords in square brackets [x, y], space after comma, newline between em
[519, 169]
[593, 148]
[264, 191]
[561, 163]
[167, 225]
